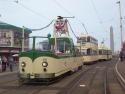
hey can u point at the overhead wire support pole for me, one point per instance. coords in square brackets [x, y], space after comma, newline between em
[119, 3]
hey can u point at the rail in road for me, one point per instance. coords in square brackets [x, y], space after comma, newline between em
[99, 78]
[120, 77]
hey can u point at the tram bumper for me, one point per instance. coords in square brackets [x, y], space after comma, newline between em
[36, 76]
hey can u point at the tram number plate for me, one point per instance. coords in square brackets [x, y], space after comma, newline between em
[32, 76]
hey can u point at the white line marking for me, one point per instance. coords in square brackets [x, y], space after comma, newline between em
[116, 68]
[82, 85]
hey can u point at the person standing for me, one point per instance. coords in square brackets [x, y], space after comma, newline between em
[11, 63]
[121, 55]
[4, 62]
[0, 64]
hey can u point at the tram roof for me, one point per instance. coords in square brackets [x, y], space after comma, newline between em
[66, 39]
[86, 35]
[103, 46]
[9, 26]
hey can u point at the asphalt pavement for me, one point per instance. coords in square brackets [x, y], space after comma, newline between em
[15, 69]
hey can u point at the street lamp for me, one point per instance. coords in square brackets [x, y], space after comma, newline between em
[120, 22]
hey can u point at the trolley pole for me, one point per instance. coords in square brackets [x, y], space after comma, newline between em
[85, 28]
[23, 39]
[119, 3]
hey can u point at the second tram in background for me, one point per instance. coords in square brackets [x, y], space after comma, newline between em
[104, 53]
[88, 47]
[90, 50]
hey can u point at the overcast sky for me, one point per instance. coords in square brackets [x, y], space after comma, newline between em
[97, 15]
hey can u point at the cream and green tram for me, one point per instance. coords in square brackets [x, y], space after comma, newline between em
[88, 47]
[109, 54]
[44, 62]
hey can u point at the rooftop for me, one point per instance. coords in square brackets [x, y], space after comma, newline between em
[9, 26]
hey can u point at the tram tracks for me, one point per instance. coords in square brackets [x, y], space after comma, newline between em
[111, 83]
[49, 87]
[106, 82]
[4, 82]
[31, 88]
[40, 89]
[78, 82]
[119, 75]
[95, 79]
[100, 81]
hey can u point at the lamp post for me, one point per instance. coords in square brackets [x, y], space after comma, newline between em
[119, 3]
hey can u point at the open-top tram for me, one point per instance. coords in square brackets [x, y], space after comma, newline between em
[51, 58]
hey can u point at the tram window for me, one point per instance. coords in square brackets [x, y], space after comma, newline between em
[60, 46]
[63, 48]
[100, 52]
[77, 51]
[89, 51]
[79, 41]
[93, 40]
[43, 45]
[105, 52]
[88, 39]
[110, 52]
[83, 51]
[83, 39]
[94, 52]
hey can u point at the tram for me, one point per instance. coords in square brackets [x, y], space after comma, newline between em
[88, 47]
[104, 53]
[52, 58]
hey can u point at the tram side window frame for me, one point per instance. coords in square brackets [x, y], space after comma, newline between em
[89, 51]
[100, 52]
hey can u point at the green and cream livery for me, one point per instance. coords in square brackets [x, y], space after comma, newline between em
[54, 57]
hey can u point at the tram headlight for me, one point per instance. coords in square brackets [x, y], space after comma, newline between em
[44, 64]
[23, 64]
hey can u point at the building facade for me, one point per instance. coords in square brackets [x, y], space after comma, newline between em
[11, 39]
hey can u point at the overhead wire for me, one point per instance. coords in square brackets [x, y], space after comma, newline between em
[97, 14]
[37, 15]
[5, 0]
[29, 9]
[85, 28]
[72, 29]
[98, 17]
[43, 27]
[59, 5]
[68, 12]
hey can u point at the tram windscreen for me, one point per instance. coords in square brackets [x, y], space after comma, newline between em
[63, 46]
[41, 44]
